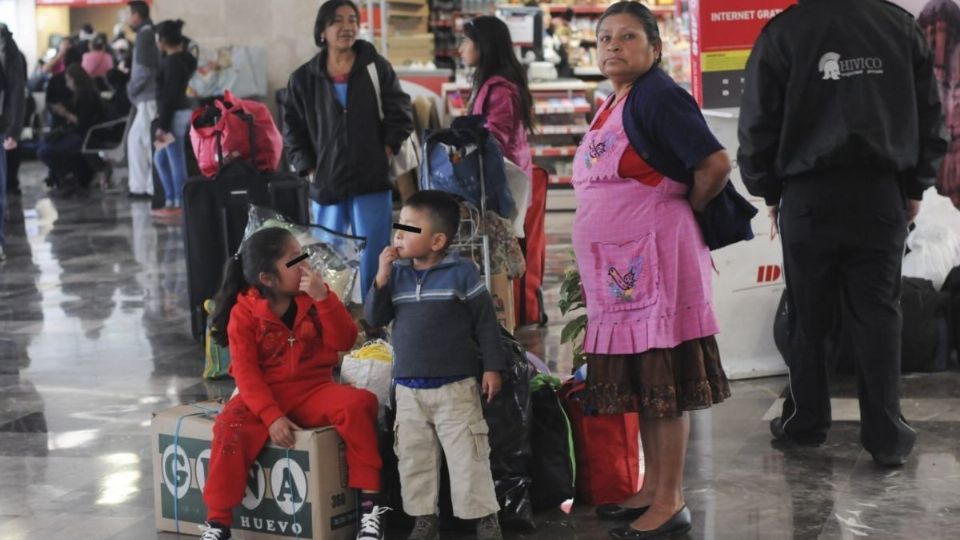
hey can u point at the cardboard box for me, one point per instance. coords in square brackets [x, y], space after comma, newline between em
[302, 494]
[503, 300]
[410, 48]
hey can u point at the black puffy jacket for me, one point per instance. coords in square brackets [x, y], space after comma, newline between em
[840, 84]
[344, 146]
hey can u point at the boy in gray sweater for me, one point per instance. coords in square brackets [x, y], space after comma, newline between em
[445, 334]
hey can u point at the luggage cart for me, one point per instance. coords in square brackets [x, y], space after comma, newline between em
[471, 240]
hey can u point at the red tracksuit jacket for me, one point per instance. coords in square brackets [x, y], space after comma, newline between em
[275, 367]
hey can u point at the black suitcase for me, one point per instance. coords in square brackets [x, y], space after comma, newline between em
[215, 217]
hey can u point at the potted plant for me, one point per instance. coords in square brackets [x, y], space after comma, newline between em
[571, 299]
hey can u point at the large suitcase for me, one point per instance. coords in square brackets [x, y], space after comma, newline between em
[215, 217]
[528, 290]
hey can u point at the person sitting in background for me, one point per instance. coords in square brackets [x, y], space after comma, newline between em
[58, 63]
[61, 150]
[98, 62]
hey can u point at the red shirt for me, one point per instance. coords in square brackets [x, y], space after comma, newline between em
[631, 164]
[276, 367]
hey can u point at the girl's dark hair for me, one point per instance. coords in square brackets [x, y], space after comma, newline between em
[258, 254]
[326, 16]
[496, 57]
[171, 32]
[643, 14]
[85, 89]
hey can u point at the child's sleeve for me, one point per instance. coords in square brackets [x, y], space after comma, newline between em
[245, 367]
[378, 309]
[485, 326]
[338, 329]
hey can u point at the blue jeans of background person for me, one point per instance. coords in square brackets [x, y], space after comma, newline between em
[171, 160]
[3, 187]
[368, 215]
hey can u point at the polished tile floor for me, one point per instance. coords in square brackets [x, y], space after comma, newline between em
[94, 336]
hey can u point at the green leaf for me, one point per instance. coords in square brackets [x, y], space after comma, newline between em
[573, 329]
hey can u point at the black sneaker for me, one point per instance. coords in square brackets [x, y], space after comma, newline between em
[488, 528]
[370, 526]
[214, 531]
[425, 528]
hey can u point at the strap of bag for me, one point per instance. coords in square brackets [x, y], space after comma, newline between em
[375, 79]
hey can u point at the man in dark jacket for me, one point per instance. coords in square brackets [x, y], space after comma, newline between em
[841, 131]
[334, 134]
[13, 84]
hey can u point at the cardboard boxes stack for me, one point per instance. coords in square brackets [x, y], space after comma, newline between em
[408, 37]
[302, 493]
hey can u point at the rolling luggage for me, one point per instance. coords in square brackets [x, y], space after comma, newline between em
[528, 290]
[215, 217]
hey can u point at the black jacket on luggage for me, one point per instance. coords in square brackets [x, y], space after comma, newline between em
[345, 146]
[816, 86]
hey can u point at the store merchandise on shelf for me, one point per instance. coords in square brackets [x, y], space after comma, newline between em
[446, 23]
[580, 38]
[562, 112]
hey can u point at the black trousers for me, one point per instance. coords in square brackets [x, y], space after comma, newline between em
[843, 237]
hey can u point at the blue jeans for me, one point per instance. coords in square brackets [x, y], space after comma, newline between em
[3, 187]
[367, 215]
[171, 160]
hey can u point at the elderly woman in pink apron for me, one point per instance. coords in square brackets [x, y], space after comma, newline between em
[646, 271]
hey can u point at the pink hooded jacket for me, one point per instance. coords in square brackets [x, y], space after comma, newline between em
[499, 100]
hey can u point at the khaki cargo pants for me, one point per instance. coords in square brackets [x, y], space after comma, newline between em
[450, 417]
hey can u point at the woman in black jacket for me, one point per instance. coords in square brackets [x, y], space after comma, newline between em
[173, 113]
[334, 134]
[61, 151]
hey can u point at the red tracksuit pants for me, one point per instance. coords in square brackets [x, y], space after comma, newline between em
[239, 435]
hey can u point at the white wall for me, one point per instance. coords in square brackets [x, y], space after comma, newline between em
[20, 17]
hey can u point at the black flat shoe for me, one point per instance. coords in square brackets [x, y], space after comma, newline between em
[618, 512]
[811, 439]
[889, 460]
[679, 523]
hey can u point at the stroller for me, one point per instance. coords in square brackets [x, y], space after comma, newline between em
[466, 162]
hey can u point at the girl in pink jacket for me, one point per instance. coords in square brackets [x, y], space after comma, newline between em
[500, 89]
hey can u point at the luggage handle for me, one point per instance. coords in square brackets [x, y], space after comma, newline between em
[251, 132]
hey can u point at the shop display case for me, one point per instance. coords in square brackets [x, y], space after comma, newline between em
[562, 109]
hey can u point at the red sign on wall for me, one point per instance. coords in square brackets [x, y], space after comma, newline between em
[722, 33]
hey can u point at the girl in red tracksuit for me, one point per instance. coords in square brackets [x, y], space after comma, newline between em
[284, 329]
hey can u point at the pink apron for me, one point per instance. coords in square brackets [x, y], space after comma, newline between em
[643, 263]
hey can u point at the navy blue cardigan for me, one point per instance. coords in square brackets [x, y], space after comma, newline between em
[666, 128]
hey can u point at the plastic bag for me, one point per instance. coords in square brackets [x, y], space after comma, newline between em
[935, 242]
[336, 256]
[370, 367]
[510, 452]
[553, 467]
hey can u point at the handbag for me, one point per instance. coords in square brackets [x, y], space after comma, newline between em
[235, 129]
[408, 157]
[607, 449]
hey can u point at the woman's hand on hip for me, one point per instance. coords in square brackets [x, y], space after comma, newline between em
[709, 179]
[389, 152]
